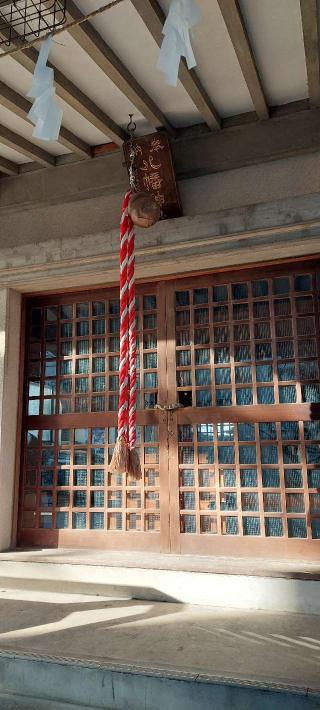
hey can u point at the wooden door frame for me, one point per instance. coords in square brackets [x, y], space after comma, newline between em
[181, 543]
[168, 423]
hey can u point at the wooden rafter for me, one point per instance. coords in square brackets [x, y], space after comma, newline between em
[154, 18]
[25, 147]
[20, 106]
[100, 52]
[232, 16]
[310, 28]
[8, 167]
[72, 95]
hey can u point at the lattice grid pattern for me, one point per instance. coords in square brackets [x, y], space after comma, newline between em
[254, 342]
[250, 479]
[67, 483]
[73, 356]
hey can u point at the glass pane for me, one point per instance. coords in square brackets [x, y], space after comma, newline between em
[247, 454]
[264, 373]
[79, 520]
[293, 478]
[265, 395]
[251, 525]
[220, 293]
[297, 527]
[248, 478]
[269, 453]
[244, 396]
[229, 525]
[205, 432]
[290, 430]
[228, 501]
[243, 375]
[272, 502]
[203, 398]
[270, 478]
[302, 283]
[239, 291]
[267, 431]
[287, 394]
[203, 377]
[273, 527]
[188, 524]
[242, 353]
[291, 454]
[295, 502]
[246, 432]
[249, 501]
[259, 288]
[281, 285]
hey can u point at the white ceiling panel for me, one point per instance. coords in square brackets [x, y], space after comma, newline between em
[275, 31]
[13, 155]
[19, 79]
[126, 34]
[24, 128]
[217, 64]
[76, 64]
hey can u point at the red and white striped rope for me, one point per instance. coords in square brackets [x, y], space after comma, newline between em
[123, 413]
[127, 367]
[132, 339]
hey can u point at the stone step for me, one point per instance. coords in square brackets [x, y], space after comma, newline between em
[13, 701]
[163, 578]
[65, 684]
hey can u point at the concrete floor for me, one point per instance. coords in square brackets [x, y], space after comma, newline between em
[260, 647]
[292, 569]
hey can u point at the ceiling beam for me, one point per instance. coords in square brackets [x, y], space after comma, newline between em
[247, 144]
[25, 147]
[8, 167]
[20, 106]
[99, 51]
[310, 28]
[154, 19]
[232, 16]
[70, 93]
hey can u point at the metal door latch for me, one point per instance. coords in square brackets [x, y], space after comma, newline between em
[169, 407]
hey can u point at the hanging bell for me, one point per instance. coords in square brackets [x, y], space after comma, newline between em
[143, 210]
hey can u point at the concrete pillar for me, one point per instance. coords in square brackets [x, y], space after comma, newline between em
[10, 319]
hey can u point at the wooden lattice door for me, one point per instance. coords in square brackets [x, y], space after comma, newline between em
[228, 417]
[68, 496]
[243, 354]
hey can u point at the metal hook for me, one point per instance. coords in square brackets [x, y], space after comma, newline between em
[132, 126]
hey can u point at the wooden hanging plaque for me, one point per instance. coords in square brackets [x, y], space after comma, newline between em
[155, 172]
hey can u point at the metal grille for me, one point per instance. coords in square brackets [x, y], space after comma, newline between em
[29, 19]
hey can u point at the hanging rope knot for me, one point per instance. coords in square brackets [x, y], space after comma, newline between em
[125, 456]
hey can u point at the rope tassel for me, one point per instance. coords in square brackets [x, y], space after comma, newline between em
[125, 456]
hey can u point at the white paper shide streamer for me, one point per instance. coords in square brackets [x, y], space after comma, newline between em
[45, 113]
[183, 15]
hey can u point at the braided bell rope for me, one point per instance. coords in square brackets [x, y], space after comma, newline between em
[127, 367]
[123, 421]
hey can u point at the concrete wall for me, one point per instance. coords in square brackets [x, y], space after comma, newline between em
[10, 302]
[85, 198]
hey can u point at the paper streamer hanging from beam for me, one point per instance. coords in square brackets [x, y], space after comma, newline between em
[183, 14]
[45, 113]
